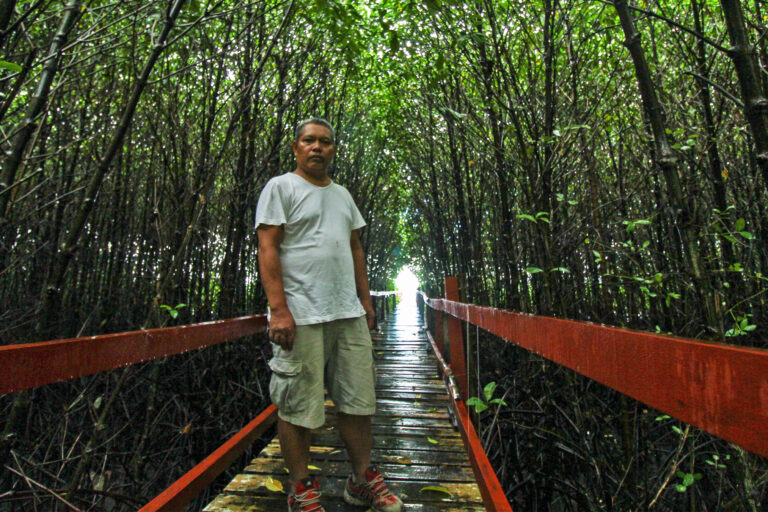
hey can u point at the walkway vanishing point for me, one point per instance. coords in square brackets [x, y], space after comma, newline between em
[415, 442]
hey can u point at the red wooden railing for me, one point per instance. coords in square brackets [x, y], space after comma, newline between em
[447, 334]
[719, 388]
[36, 364]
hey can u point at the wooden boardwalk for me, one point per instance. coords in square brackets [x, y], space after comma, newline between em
[415, 443]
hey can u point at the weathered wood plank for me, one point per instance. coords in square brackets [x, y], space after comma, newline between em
[406, 457]
[341, 469]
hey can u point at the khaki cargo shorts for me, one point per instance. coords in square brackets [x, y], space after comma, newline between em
[337, 354]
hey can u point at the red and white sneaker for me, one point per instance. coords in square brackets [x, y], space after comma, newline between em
[372, 493]
[306, 496]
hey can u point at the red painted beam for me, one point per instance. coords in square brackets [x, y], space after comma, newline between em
[36, 364]
[494, 498]
[719, 388]
[457, 354]
[178, 495]
[493, 495]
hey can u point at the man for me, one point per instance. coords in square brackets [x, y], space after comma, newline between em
[313, 271]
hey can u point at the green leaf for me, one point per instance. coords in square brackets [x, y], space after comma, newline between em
[526, 217]
[174, 313]
[97, 403]
[479, 405]
[561, 269]
[739, 225]
[663, 417]
[10, 66]
[680, 488]
[437, 488]
[688, 479]
[488, 390]
[498, 401]
[747, 235]
[433, 441]
[533, 270]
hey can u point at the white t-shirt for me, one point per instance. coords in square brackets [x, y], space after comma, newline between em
[315, 255]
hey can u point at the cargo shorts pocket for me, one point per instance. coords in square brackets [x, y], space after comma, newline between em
[283, 386]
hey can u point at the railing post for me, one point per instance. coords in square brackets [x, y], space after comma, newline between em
[456, 339]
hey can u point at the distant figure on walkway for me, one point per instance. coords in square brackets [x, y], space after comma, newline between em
[313, 271]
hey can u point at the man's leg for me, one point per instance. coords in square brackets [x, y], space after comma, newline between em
[294, 443]
[355, 431]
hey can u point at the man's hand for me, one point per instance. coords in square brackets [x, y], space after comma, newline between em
[370, 316]
[282, 328]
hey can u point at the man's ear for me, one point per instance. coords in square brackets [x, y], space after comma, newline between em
[293, 147]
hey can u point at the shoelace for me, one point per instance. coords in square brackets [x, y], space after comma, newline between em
[308, 501]
[378, 487]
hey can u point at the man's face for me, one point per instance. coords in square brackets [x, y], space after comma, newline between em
[314, 149]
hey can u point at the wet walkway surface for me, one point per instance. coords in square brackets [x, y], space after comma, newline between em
[415, 444]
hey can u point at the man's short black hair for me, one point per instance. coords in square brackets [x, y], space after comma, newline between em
[314, 120]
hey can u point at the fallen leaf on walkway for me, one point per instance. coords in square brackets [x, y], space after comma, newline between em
[313, 467]
[274, 485]
[433, 441]
[437, 488]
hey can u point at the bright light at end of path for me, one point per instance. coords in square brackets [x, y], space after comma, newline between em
[406, 282]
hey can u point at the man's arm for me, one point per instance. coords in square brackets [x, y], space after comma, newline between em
[281, 324]
[361, 279]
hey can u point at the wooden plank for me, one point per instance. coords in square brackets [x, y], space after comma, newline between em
[393, 471]
[405, 457]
